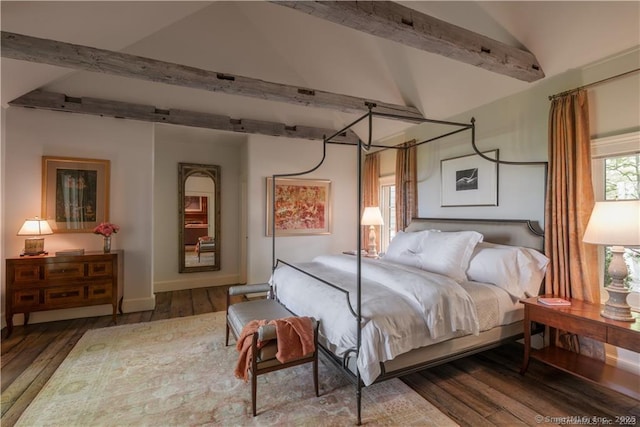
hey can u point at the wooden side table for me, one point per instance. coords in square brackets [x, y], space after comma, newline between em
[583, 319]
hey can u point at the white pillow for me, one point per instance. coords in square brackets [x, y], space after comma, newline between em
[448, 252]
[404, 247]
[517, 270]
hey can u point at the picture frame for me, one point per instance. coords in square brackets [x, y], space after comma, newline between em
[193, 204]
[303, 207]
[469, 180]
[75, 193]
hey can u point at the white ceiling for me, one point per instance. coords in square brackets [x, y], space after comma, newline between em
[274, 43]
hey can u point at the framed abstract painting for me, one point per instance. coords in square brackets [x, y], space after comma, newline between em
[302, 207]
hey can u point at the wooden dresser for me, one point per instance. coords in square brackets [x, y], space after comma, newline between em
[39, 283]
[583, 319]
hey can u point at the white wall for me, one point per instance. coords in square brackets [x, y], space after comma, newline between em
[31, 134]
[178, 144]
[267, 156]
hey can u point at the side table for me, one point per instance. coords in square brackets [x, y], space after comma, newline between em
[583, 319]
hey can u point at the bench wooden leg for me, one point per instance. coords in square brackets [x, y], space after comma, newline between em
[315, 373]
[254, 392]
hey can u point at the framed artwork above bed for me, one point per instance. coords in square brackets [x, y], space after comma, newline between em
[469, 180]
[302, 207]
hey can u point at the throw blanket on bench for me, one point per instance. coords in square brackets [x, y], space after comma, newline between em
[294, 337]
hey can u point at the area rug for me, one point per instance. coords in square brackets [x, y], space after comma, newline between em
[178, 372]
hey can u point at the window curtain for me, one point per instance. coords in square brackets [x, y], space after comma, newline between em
[406, 185]
[371, 190]
[573, 270]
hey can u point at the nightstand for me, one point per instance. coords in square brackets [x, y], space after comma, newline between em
[583, 319]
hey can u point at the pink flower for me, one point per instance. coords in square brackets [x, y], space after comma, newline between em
[106, 229]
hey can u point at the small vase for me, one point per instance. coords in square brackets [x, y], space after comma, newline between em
[107, 244]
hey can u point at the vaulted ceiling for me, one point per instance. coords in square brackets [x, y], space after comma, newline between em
[314, 55]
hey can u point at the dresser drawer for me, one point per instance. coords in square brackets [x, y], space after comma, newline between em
[64, 295]
[100, 291]
[63, 270]
[624, 338]
[97, 269]
[26, 298]
[26, 273]
[560, 319]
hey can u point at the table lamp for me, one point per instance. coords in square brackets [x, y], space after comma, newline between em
[34, 227]
[615, 224]
[372, 217]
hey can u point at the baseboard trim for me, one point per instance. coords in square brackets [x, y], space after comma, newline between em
[622, 362]
[189, 283]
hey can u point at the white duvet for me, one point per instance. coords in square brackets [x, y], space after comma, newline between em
[402, 307]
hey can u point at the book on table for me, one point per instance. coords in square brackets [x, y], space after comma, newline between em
[554, 301]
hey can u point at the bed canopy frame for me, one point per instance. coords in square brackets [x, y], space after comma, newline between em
[365, 147]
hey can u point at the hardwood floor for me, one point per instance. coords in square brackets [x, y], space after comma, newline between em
[481, 390]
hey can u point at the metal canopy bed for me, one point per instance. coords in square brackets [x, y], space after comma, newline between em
[505, 232]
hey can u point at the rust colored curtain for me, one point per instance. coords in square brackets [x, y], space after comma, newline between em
[406, 185]
[371, 190]
[573, 271]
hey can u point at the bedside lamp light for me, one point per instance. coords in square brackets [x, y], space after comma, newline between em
[34, 227]
[615, 224]
[372, 217]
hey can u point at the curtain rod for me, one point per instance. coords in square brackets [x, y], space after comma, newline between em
[566, 92]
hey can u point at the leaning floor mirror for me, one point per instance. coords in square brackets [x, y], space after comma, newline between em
[199, 217]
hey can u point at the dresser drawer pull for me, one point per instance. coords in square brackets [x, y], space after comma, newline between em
[64, 270]
[27, 298]
[64, 294]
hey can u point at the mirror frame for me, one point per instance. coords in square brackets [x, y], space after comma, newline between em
[185, 170]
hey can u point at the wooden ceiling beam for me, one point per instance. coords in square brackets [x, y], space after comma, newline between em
[407, 26]
[123, 110]
[67, 55]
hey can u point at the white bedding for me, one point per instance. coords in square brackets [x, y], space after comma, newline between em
[402, 307]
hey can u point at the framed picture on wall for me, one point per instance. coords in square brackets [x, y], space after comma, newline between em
[193, 204]
[469, 180]
[302, 207]
[75, 193]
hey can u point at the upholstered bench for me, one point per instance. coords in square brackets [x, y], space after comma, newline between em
[205, 244]
[264, 359]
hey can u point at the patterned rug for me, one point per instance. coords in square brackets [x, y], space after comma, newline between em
[178, 372]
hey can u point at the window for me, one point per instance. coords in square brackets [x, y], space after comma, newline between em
[388, 208]
[616, 175]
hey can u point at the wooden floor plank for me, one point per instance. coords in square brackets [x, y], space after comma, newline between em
[163, 306]
[597, 399]
[201, 301]
[181, 304]
[431, 390]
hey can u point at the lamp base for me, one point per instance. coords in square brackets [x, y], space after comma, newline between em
[373, 249]
[33, 246]
[616, 307]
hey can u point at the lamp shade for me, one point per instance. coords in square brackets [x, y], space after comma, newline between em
[35, 227]
[372, 216]
[614, 223]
